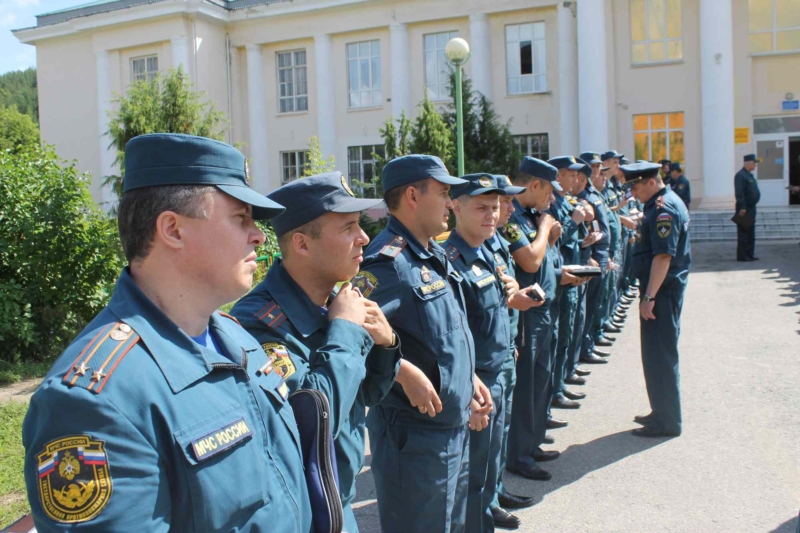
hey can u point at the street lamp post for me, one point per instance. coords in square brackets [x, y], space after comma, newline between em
[457, 52]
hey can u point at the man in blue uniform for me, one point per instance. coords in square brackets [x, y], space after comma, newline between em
[665, 164]
[747, 197]
[418, 433]
[315, 341]
[530, 236]
[663, 257]
[159, 417]
[679, 184]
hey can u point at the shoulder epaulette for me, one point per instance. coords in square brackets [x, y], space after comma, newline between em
[226, 315]
[452, 252]
[98, 360]
[395, 247]
[271, 315]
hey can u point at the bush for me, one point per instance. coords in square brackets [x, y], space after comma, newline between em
[17, 131]
[59, 255]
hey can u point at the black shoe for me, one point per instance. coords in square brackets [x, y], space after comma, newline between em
[754, 259]
[603, 336]
[537, 473]
[619, 324]
[747, 260]
[542, 456]
[575, 379]
[554, 423]
[582, 371]
[513, 501]
[549, 440]
[560, 402]
[600, 352]
[643, 418]
[592, 359]
[620, 317]
[504, 520]
[611, 328]
[572, 395]
[603, 342]
[648, 431]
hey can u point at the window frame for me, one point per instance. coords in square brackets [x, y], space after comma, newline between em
[298, 169]
[146, 75]
[361, 161]
[774, 30]
[533, 73]
[451, 35]
[529, 137]
[372, 90]
[650, 131]
[647, 41]
[293, 68]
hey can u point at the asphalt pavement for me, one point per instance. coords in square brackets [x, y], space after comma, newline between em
[736, 468]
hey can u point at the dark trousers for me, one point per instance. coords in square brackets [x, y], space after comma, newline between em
[509, 381]
[568, 308]
[659, 340]
[746, 238]
[594, 301]
[576, 342]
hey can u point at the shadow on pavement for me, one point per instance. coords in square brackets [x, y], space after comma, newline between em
[790, 526]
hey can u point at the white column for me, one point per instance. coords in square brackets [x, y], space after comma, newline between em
[716, 84]
[181, 53]
[257, 116]
[401, 69]
[592, 76]
[568, 80]
[326, 112]
[103, 108]
[480, 48]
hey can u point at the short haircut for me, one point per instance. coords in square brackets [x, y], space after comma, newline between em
[312, 228]
[392, 197]
[139, 210]
[526, 180]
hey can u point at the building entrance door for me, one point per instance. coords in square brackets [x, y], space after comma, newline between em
[773, 168]
[794, 168]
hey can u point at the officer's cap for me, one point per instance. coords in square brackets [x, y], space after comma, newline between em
[504, 183]
[591, 157]
[611, 154]
[565, 161]
[411, 168]
[675, 166]
[478, 184]
[751, 157]
[540, 169]
[624, 161]
[664, 162]
[159, 159]
[646, 161]
[585, 169]
[307, 199]
[637, 172]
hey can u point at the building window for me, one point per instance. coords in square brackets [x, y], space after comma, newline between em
[437, 67]
[659, 136]
[526, 58]
[364, 73]
[535, 145]
[292, 82]
[774, 26]
[656, 31]
[144, 68]
[361, 163]
[293, 164]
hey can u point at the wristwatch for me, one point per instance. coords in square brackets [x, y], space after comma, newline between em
[648, 298]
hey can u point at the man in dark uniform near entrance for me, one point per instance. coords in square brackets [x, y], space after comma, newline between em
[663, 256]
[679, 184]
[747, 197]
[665, 176]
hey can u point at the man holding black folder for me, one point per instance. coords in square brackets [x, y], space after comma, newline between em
[747, 196]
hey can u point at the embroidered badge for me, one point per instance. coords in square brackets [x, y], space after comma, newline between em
[281, 360]
[425, 274]
[347, 187]
[221, 439]
[664, 225]
[477, 270]
[681, 186]
[485, 281]
[366, 282]
[485, 182]
[511, 232]
[74, 481]
[436, 286]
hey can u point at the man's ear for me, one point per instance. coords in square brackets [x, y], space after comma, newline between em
[299, 244]
[169, 230]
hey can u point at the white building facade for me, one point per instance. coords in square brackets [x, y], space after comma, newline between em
[701, 82]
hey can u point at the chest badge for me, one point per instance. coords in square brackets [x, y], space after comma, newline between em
[477, 270]
[425, 274]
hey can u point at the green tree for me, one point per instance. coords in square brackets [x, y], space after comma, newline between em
[396, 143]
[167, 104]
[17, 131]
[431, 135]
[18, 89]
[317, 162]
[59, 255]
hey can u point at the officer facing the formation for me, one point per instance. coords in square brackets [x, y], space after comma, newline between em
[665, 170]
[488, 292]
[663, 257]
[679, 184]
[418, 434]
[747, 197]
[315, 341]
[157, 417]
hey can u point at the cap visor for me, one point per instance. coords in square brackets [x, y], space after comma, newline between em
[487, 190]
[263, 207]
[515, 190]
[447, 179]
[557, 186]
[575, 166]
[356, 205]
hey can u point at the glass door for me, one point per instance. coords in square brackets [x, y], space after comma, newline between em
[773, 168]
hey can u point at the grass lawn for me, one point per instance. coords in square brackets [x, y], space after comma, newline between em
[13, 502]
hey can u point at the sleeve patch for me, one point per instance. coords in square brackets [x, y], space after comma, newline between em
[511, 232]
[279, 360]
[366, 282]
[73, 478]
[664, 225]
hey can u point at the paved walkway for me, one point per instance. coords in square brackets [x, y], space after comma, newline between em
[737, 466]
[19, 392]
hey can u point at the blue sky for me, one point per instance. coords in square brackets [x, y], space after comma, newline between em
[15, 14]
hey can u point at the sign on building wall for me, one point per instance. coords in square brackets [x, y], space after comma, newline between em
[741, 135]
[791, 105]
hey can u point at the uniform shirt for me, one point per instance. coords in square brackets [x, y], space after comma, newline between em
[568, 242]
[520, 231]
[747, 191]
[484, 294]
[310, 352]
[502, 257]
[420, 293]
[682, 188]
[664, 230]
[600, 248]
[609, 195]
[138, 428]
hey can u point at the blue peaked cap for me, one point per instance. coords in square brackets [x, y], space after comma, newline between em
[540, 169]
[410, 168]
